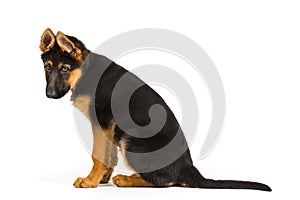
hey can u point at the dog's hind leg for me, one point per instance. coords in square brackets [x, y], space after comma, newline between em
[131, 181]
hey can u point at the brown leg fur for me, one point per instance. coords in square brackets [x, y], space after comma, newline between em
[113, 158]
[107, 175]
[104, 158]
[93, 179]
[130, 181]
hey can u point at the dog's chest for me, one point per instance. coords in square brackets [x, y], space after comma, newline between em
[82, 102]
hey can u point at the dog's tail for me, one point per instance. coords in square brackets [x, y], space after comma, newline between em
[192, 178]
[231, 184]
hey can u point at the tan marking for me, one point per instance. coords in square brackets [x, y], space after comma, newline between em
[176, 184]
[111, 148]
[47, 40]
[74, 77]
[123, 146]
[48, 62]
[93, 179]
[131, 181]
[60, 64]
[171, 184]
[110, 131]
[107, 175]
[104, 156]
[83, 104]
[67, 45]
[103, 148]
[113, 161]
[78, 55]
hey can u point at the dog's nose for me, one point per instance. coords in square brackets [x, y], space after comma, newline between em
[51, 94]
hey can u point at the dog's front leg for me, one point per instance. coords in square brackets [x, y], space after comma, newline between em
[104, 157]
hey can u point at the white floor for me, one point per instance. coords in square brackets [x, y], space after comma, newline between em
[56, 191]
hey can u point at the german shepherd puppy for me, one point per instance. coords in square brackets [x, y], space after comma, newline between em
[69, 65]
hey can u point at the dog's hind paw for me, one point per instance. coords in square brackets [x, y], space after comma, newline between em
[120, 180]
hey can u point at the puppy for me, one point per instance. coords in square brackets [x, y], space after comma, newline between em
[158, 160]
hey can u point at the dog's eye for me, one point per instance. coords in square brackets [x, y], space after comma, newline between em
[48, 67]
[65, 68]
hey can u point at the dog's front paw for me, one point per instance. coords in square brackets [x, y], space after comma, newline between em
[85, 183]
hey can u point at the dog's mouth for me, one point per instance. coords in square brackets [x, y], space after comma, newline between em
[55, 95]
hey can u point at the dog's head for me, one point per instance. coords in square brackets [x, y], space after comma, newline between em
[62, 56]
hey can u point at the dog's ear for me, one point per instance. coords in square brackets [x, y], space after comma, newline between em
[47, 40]
[65, 43]
[68, 46]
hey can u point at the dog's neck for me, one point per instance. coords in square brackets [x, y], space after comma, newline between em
[91, 71]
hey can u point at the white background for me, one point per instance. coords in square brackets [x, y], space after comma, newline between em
[255, 46]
